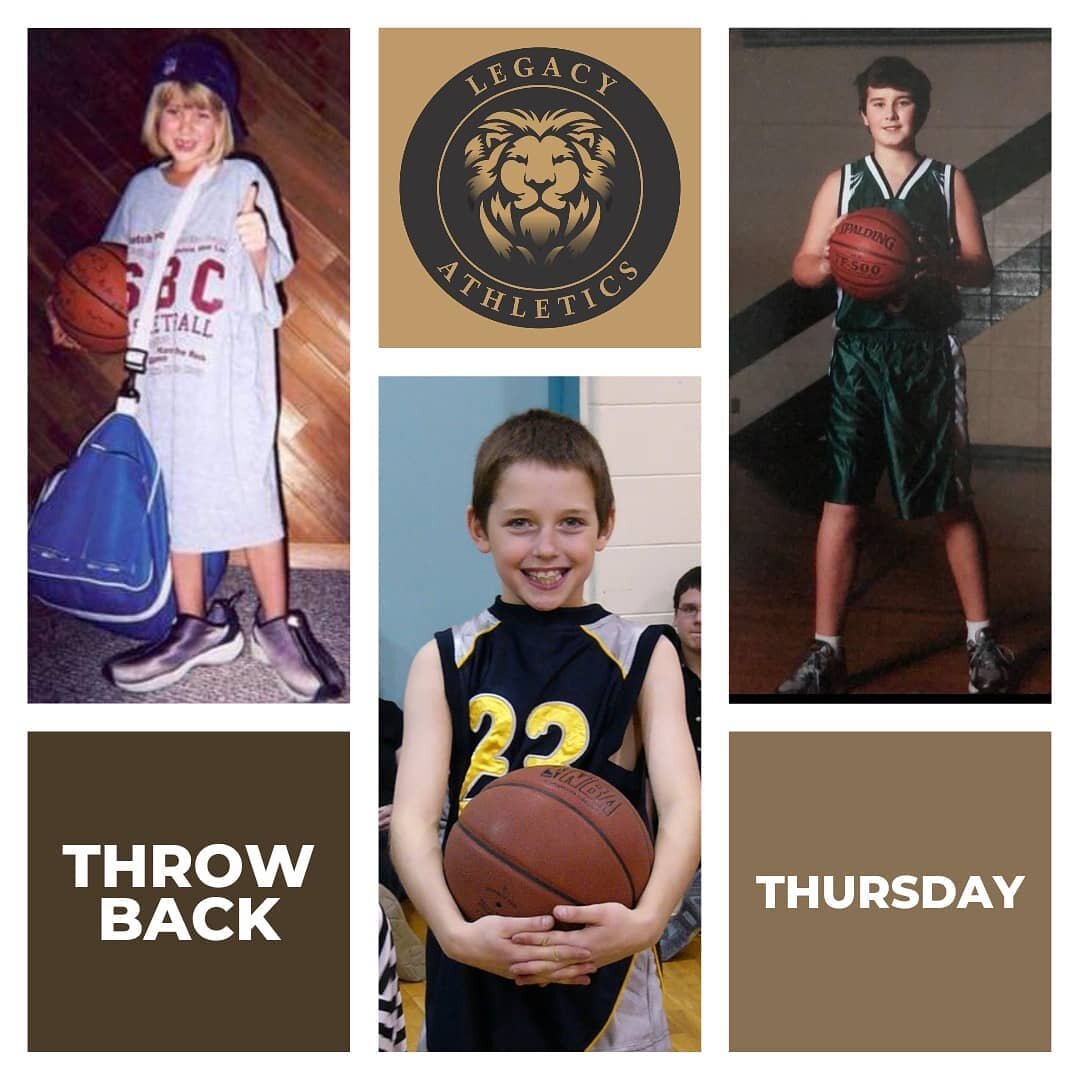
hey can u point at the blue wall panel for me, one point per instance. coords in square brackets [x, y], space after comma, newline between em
[430, 575]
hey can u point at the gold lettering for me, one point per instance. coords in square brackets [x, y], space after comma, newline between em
[470, 283]
[608, 277]
[477, 90]
[605, 81]
[573, 74]
[588, 298]
[542, 308]
[492, 299]
[567, 303]
[552, 69]
[497, 75]
[629, 272]
[516, 311]
[523, 68]
[448, 270]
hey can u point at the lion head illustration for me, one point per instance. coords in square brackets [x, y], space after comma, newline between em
[539, 183]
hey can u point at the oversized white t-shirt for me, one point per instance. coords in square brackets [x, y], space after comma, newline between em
[209, 397]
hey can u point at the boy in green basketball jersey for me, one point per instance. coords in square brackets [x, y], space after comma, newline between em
[897, 375]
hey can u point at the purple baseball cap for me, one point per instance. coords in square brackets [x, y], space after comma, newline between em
[203, 60]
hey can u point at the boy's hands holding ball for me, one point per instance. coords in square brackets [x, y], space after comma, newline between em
[608, 932]
[501, 945]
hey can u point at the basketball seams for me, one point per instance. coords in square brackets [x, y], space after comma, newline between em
[507, 861]
[71, 330]
[103, 300]
[505, 783]
[861, 264]
[90, 298]
[114, 250]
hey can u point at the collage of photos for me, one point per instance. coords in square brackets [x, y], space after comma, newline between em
[536, 455]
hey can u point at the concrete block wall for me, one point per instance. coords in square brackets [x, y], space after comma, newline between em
[794, 119]
[650, 429]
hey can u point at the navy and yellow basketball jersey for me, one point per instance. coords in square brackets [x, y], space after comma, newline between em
[926, 199]
[525, 688]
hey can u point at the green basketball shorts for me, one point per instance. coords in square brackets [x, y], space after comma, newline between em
[898, 400]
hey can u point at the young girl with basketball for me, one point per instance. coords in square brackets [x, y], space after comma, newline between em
[541, 677]
[897, 375]
[208, 400]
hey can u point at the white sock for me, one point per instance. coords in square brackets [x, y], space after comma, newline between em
[973, 629]
[834, 642]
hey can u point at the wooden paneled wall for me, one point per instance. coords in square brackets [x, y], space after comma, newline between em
[87, 93]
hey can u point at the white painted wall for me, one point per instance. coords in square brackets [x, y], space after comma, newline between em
[650, 429]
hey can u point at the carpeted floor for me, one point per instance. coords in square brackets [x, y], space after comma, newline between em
[65, 655]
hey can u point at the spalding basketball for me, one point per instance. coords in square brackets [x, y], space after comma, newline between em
[543, 836]
[90, 298]
[872, 254]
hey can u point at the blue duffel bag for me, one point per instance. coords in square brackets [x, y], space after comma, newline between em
[99, 535]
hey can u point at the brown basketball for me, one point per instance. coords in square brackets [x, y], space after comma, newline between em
[543, 836]
[90, 297]
[872, 254]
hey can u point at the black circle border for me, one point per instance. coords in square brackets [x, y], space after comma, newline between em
[419, 215]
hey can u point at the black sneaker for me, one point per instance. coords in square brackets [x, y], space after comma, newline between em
[301, 662]
[822, 672]
[191, 641]
[989, 665]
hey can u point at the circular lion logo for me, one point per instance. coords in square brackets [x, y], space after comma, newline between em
[539, 187]
[540, 183]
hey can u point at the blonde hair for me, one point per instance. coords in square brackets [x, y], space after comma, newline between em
[201, 97]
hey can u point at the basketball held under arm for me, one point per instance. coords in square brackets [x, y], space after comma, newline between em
[810, 267]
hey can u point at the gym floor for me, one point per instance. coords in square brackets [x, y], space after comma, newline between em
[904, 633]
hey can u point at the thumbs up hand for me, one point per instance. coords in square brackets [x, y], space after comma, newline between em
[250, 224]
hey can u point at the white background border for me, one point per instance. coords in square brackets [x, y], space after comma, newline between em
[367, 363]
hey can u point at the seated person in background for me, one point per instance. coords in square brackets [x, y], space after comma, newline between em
[685, 924]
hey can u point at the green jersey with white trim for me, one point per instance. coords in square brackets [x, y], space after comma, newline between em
[926, 200]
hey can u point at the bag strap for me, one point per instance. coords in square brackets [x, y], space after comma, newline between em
[138, 347]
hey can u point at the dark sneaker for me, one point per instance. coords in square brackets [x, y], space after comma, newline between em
[306, 670]
[822, 672]
[989, 665]
[191, 641]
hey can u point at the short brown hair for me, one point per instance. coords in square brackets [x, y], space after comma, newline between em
[896, 73]
[202, 97]
[548, 438]
[690, 580]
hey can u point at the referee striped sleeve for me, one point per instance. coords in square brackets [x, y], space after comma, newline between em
[391, 1014]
